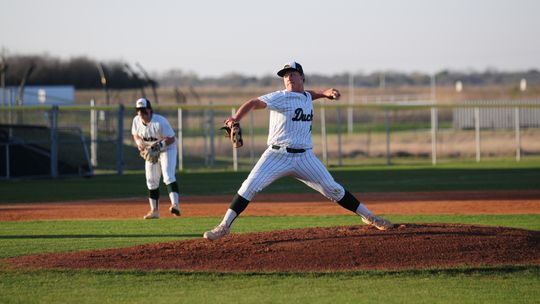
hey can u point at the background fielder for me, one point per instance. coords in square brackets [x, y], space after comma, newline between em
[150, 129]
[289, 151]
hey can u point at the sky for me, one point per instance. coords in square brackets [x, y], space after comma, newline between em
[214, 38]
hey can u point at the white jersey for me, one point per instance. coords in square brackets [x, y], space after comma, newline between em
[291, 115]
[157, 129]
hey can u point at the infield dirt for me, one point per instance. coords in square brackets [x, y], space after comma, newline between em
[357, 247]
[444, 202]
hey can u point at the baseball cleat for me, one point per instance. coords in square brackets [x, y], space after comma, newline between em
[216, 233]
[151, 215]
[377, 222]
[175, 209]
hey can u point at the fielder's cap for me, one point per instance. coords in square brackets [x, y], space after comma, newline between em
[143, 103]
[291, 66]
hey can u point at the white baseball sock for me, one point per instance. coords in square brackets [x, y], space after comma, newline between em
[174, 198]
[229, 217]
[153, 204]
[362, 210]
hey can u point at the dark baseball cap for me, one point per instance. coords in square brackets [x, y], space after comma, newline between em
[143, 103]
[291, 66]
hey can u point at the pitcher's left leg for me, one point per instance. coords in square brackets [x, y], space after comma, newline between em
[313, 173]
[310, 171]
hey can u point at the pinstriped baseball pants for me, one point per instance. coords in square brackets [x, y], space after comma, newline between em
[305, 167]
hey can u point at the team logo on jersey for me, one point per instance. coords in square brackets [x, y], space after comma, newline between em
[300, 116]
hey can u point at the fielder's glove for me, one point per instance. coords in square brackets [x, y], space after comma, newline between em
[151, 153]
[233, 132]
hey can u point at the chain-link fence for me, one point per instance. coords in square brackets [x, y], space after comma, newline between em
[86, 140]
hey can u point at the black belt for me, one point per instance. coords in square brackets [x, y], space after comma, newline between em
[290, 150]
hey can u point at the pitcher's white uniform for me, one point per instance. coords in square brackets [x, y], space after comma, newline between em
[156, 130]
[290, 152]
[291, 116]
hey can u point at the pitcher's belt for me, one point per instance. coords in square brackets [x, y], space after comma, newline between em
[290, 150]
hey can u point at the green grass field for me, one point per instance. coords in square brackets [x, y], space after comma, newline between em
[504, 284]
[496, 175]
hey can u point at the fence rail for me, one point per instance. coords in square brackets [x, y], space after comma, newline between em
[375, 133]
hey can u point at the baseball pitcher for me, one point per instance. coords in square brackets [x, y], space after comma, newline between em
[289, 151]
[156, 143]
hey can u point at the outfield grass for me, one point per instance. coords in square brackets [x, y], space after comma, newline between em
[445, 177]
[493, 285]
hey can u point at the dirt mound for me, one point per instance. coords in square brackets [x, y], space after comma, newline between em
[317, 249]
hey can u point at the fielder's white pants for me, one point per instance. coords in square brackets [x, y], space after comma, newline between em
[166, 166]
[305, 167]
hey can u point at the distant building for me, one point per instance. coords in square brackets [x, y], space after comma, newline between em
[38, 95]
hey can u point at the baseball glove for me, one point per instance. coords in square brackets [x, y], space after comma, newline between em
[151, 153]
[233, 132]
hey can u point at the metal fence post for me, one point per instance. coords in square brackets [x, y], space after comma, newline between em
[120, 141]
[8, 169]
[93, 134]
[387, 126]
[518, 135]
[477, 132]
[434, 128]
[206, 145]
[54, 141]
[180, 141]
[209, 137]
[323, 136]
[338, 129]
[10, 98]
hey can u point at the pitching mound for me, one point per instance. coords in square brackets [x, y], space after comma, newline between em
[317, 249]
